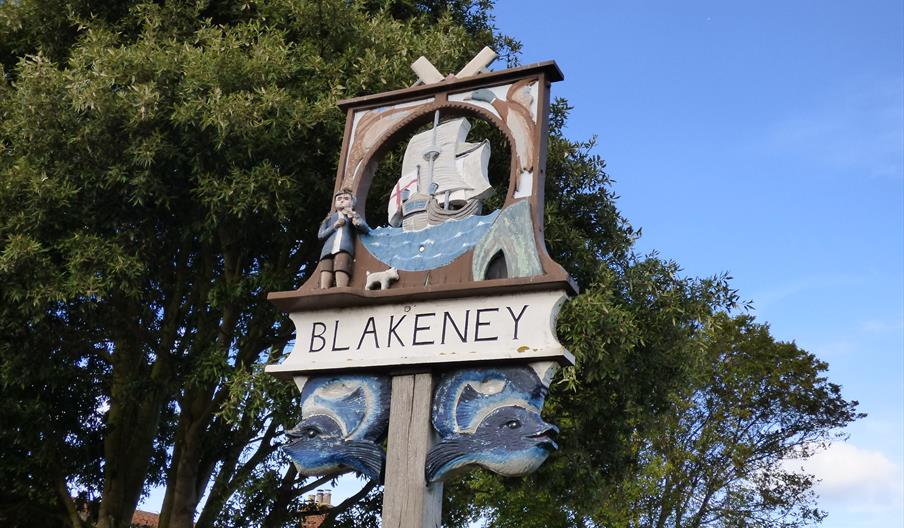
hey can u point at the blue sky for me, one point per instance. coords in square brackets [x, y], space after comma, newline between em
[766, 140]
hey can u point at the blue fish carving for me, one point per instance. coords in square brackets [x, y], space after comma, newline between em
[490, 417]
[343, 420]
[511, 441]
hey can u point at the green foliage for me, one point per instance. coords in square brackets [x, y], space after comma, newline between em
[724, 454]
[159, 167]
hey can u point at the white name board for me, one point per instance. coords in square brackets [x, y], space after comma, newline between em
[520, 326]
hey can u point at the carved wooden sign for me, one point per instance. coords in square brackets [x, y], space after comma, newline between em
[439, 247]
[447, 288]
[503, 327]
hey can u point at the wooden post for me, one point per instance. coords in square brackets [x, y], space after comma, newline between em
[407, 500]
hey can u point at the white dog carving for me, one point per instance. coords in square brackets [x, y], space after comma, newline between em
[380, 280]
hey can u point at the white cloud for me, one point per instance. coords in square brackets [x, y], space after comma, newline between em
[801, 285]
[857, 127]
[856, 479]
[877, 326]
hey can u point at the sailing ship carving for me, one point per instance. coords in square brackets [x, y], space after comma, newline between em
[443, 177]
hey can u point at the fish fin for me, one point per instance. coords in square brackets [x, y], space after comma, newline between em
[364, 457]
[469, 393]
[442, 458]
[357, 394]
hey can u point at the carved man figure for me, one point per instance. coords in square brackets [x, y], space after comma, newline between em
[338, 230]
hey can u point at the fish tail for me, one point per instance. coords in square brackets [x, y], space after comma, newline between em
[443, 458]
[364, 457]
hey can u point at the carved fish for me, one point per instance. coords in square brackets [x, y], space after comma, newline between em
[510, 441]
[316, 447]
[343, 419]
[464, 397]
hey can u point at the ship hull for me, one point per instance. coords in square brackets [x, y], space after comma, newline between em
[435, 214]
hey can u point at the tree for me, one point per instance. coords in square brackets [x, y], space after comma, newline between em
[721, 455]
[160, 167]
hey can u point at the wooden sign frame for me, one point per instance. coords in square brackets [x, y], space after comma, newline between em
[356, 170]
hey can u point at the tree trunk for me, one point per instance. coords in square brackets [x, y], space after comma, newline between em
[131, 426]
[284, 495]
[183, 485]
[188, 477]
[68, 504]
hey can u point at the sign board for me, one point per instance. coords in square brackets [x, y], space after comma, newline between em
[440, 253]
[479, 329]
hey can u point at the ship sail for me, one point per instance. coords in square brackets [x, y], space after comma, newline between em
[458, 174]
[472, 165]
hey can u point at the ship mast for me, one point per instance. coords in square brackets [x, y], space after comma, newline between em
[430, 155]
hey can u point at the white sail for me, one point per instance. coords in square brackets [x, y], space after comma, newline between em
[448, 135]
[458, 173]
[473, 165]
[451, 142]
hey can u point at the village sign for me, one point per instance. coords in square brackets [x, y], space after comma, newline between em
[437, 328]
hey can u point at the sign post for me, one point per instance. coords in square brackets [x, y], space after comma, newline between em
[437, 329]
[407, 499]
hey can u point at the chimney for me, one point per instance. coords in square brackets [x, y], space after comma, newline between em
[319, 499]
[327, 497]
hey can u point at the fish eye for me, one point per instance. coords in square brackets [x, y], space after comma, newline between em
[310, 432]
[512, 424]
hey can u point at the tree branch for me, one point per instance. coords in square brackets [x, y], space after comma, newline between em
[347, 503]
[62, 491]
